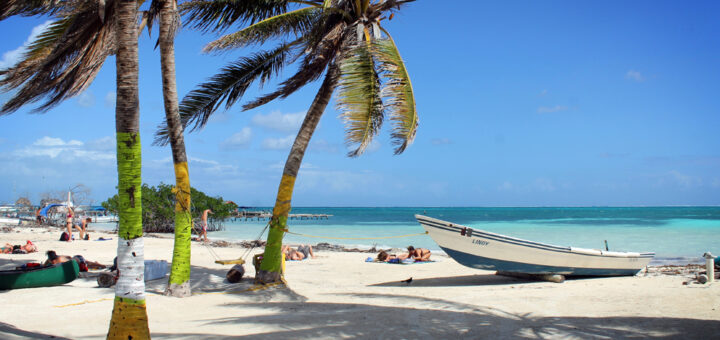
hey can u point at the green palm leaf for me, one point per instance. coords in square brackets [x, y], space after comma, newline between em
[311, 68]
[296, 22]
[217, 15]
[397, 93]
[63, 60]
[358, 98]
[227, 86]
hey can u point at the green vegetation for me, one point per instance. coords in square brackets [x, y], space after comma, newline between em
[158, 207]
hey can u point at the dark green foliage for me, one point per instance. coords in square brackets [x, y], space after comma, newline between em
[158, 208]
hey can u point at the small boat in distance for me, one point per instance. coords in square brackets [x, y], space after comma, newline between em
[484, 250]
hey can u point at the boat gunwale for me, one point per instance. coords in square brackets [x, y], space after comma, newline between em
[454, 227]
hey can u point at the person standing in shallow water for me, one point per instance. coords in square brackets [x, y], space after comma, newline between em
[204, 223]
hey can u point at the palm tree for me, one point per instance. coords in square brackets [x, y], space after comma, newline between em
[62, 63]
[342, 39]
[179, 281]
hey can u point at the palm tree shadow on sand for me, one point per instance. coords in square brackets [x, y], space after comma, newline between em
[288, 314]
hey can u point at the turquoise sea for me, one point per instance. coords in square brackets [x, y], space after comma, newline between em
[676, 234]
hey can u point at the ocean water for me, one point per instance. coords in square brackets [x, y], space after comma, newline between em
[675, 234]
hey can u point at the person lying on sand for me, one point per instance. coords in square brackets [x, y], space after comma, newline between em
[302, 252]
[419, 254]
[54, 258]
[383, 256]
[29, 247]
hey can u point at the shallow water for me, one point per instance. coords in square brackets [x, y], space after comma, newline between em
[675, 234]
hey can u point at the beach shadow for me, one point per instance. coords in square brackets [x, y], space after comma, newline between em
[457, 281]
[10, 332]
[437, 319]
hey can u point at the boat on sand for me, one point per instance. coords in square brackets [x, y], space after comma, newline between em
[485, 250]
[40, 276]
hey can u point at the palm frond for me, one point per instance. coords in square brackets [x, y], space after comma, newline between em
[217, 15]
[10, 8]
[397, 93]
[294, 22]
[227, 86]
[63, 60]
[358, 98]
[311, 69]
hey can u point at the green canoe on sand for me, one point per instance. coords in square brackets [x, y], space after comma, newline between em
[54, 275]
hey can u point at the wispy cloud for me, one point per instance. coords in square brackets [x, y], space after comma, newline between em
[11, 58]
[238, 140]
[634, 75]
[110, 99]
[551, 109]
[57, 148]
[543, 93]
[278, 143]
[86, 99]
[285, 122]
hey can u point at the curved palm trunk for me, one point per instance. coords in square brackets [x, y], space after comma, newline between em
[179, 281]
[271, 267]
[129, 316]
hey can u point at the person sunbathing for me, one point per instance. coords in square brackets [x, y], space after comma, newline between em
[29, 247]
[54, 258]
[383, 256]
[302, 252]
[419, 254]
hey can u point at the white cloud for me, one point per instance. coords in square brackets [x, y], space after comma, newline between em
[634, 75]
[323, 145]
[543, 93]
[10, 58]
[288, 122]
[556, 108]
[238, 140]
[278, 143]
[56, 148]
[86, 99]
[538, 185]
[50, 141]
[110, 98]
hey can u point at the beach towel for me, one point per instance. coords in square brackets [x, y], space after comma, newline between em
[397, 261]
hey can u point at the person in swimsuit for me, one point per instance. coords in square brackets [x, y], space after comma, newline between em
[302, 252]
[204, 223]
[419, 254]
[69, 223]
[82, 228]
[383, 256]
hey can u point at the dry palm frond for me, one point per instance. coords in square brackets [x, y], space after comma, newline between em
[397, 93]
[296, 22]
[358, 98]
[217, 15]
[9, 8]
[63, 60]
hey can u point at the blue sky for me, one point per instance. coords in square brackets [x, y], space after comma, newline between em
[521, 103]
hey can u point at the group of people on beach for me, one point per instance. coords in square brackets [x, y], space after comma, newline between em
[417, 254]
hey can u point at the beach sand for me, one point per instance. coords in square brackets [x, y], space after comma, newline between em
[339, 295]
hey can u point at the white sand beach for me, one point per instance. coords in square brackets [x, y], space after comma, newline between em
[339, 295]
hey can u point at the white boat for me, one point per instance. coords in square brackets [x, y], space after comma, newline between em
[484, 250]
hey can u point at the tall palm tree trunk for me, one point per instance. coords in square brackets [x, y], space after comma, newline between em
[179, 281]
[129, 316]
[271, 267]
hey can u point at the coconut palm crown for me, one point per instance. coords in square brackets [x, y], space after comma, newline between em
[318, 36]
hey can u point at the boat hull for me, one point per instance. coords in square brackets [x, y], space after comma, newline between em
[484, 250]
[39, 277]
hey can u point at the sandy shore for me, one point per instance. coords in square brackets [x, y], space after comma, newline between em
[338, 295]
